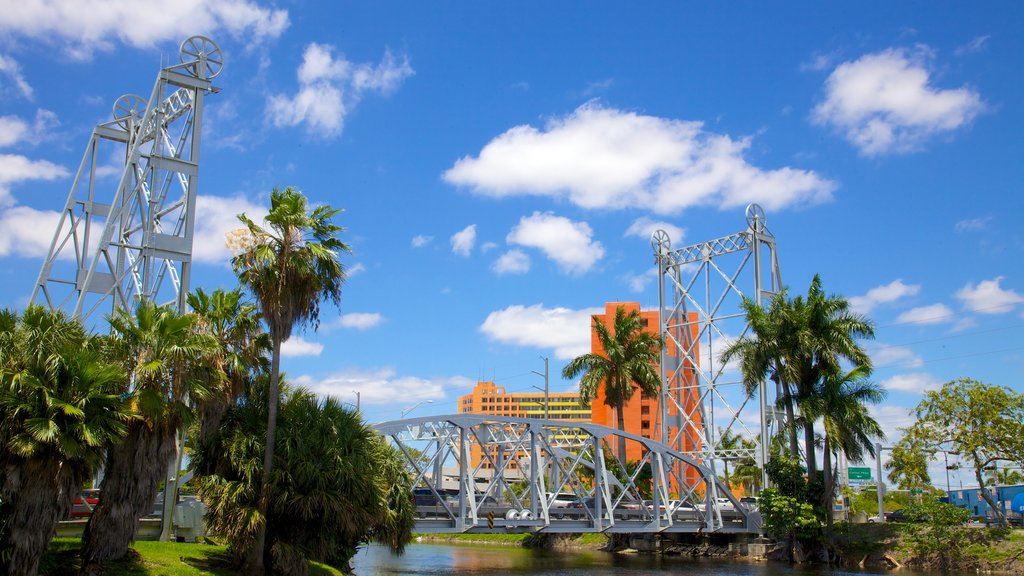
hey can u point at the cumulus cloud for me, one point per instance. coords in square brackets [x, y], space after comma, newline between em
[360, 320]
[10, 68]
[885, 103]
[15, 169]
[27, 232]
[644, 227]
[377, 386]
[419, 241]
[916, 382]
[933, 314]
[599, 157]
[297, 346]
[638, 282]
[84, 27]
[564, 330]
[464, 240]
[901, 356]
[882, 295]
[12, 130]
[512, 262]
[988, 297]
[215, 217]
[330, 86]
[570, 244]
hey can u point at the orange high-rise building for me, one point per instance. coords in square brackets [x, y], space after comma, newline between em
[640, 412]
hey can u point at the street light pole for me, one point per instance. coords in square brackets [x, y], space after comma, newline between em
[547, 400]
[415, 406]
[357, 400]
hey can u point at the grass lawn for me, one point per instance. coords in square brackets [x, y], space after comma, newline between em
[153, 558]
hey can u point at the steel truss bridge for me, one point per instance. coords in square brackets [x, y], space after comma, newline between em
[481, 474]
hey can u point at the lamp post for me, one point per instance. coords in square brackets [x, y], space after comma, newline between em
[415, 406]
[879, 485]
[357, 400]
[546, 390]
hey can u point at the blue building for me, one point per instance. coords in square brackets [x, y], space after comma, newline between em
[1009, 498]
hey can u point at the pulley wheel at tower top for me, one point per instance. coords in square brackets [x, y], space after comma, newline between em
[129, 109]
[202, 57]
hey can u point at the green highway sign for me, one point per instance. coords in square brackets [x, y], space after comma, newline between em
[856, 473]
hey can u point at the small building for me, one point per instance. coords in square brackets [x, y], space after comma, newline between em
[1003, 496]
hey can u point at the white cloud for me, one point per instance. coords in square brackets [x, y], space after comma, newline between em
[420, 240]
[28, 232]
[600, 157]
[988, 297]
[330, 87]
[934, 314]
[379, 386]
[645, 227]
[972, 224]
[564, 330]
[297, 346]
[15, 169]
[355, 269]
[84, 27]
[10, 68]
[976, 45]
[898, 356]
[891, 418]
[12, 130]
[360, 320]
[215, 217]
[882, 295]
[638, 282]
[512, 262]
[884, 103]
[916, 382]
[568, 243]
[464, 240]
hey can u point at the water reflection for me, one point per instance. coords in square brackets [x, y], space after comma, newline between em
[428, 559]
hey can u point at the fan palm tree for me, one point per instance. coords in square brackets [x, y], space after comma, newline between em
[629, 361]
[59, 410]
[165, 358]
[290, 267]
[243, 351]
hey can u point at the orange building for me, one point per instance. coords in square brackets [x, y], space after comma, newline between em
[641, 413]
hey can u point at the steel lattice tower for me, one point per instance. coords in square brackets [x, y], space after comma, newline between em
[135, 243]
[707, 283]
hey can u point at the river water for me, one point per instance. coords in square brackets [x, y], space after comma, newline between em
[435, 559]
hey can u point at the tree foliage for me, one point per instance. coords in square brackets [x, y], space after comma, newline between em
[983, 422]
[59, 410]
[336, 483]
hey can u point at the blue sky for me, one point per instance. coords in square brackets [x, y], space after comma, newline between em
[502, 165]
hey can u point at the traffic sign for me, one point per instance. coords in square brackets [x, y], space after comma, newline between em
[859, 473]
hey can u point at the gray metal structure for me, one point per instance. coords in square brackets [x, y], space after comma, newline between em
[475, 473]
[116, 245]
[700, 291]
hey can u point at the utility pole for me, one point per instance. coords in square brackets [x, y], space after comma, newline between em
[357, 401]
[547, 398]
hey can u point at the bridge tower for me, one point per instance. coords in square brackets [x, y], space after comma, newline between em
[116, 245]
[700, 291]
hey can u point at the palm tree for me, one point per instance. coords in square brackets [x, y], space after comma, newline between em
[243, 350]
[164, 357]
[59, 410]
[289, 267]
[841, 403]
[746, 470]
[629, 361]
[728, 441]
[1004, 477]
[796, 343]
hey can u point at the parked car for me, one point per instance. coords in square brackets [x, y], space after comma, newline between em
[83, 504]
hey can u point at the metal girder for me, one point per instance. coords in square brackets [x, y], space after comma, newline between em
[700, 291]
[476, 473]
[116, 245]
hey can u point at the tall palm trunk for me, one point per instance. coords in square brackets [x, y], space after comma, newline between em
[621, 422]
[255, 563]
[38, 485]
[812, 461]
[135, 467]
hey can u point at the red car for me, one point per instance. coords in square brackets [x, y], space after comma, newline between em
[82, 505]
